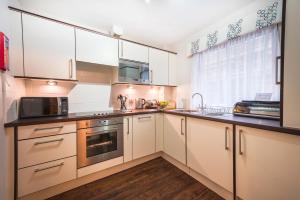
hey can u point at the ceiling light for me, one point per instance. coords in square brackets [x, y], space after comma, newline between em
[147, 1]
[52, 83]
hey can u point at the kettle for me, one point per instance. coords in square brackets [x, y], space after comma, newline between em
[139, 103]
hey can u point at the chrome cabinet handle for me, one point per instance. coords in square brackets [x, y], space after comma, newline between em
[127, 126]
[181, 128]
[240, 142]
[49, 141]
[50, 167]
[42, 129]
[70, 68]
[226, 138]
[148, 117]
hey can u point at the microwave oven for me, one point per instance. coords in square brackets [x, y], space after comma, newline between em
[133, 72]
[31, 107]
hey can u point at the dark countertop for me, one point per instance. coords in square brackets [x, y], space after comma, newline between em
[266, 124]
[76, 117]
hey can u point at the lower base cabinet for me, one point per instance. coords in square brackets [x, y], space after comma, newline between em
[143, 135]
[174, 137]
[210, 150]
[36, 178]
[267, 165]
[127, 138]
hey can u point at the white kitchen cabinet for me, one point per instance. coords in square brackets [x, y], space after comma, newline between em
[39, 177]
[172, 69]
[174, 137]
[45, 149]
[159, 130]
[133, 51]
[291, 94]
[267, 165]
[159, 67]
[143, 130]
[15, 44]
[49, 49]
[95, 48]
[210, 150]
[127, 132]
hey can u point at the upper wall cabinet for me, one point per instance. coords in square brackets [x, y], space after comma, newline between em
[49, 49]
[15, 42]
[172, 69]
[95, 48]
[132, 51]
[159, 67]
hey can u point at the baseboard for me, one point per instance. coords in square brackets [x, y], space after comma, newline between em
[58, 189]
[202, 179]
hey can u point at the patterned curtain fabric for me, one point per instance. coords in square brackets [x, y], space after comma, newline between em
[260, 18]
[238, 69]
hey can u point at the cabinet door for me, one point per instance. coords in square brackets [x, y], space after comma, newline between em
[143, 135]
[95, 48]
[15, 44]
[291, 94]
[159, 67]
[49, 49]
[267, 165]
[132, 51]
[127, 121]
[210, 150]
[172, 69]
[159, 125]
[174, 137]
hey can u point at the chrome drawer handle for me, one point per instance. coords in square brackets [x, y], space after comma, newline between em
[240, 142]
[181, 127]
[149, 117]
[43, 129]
[50, 167]
[49, 141]
[226, 138]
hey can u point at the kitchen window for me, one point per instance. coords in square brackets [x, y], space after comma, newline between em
[238, 69]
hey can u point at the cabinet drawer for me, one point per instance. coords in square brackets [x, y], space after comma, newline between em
[40, 150]
[42, 130]
[33, 179]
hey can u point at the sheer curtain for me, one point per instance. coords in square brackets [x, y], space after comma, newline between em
[238, 69]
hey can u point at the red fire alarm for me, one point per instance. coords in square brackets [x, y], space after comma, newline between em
[4, 45]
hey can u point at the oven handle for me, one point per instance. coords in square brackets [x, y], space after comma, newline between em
[101, 132]
[100, 144]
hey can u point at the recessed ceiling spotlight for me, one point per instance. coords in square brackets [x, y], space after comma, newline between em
[147, 1]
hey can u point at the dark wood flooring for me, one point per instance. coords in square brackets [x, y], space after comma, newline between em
[156, 179]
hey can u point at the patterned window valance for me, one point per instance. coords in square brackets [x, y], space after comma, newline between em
[265, 13]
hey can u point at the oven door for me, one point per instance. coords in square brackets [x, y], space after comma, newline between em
[99, 144]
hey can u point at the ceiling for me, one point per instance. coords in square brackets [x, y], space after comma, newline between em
[159, 22]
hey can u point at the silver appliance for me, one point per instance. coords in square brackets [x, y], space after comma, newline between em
[260, 109]
[139, 103]
[99, 140]
[133, 72]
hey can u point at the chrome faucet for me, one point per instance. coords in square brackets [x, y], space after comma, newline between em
[195, 94]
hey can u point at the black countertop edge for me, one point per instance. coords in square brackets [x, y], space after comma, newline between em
[73, 117]
[265, 124]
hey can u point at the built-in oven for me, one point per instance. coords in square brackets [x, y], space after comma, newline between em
[133, 72]
[99, 140]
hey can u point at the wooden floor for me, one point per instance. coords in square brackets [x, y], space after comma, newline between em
[156, 179]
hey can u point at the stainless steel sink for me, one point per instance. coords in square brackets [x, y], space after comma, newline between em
[204, 112]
